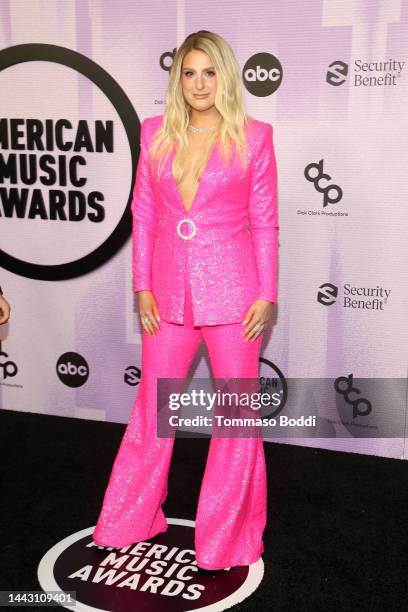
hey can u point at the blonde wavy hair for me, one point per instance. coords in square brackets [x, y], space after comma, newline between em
[228, 102]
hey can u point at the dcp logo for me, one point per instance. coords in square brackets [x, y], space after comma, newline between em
[315, 174]
[8, 367]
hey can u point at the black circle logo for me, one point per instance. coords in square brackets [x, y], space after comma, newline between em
[64, 215]
[262, 74]
[159, 574]
[72, 369]
[273, 382]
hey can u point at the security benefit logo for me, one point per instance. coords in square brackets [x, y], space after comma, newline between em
[355, 297]
[158, 574]
[361, 73]
[68, 157]
[132, 376]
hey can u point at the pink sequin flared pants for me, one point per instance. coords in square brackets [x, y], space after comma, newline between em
[231, 511]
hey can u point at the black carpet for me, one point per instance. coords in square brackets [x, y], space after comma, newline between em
[336, 537]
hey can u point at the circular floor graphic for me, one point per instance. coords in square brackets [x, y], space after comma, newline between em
[159, 574]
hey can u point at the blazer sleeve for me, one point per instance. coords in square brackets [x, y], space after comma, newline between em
[144, 219]
[263, 216]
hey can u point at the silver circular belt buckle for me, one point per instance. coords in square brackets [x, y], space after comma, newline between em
[192, 225]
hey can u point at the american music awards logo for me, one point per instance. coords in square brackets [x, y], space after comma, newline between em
[160, 573]
[68, 154]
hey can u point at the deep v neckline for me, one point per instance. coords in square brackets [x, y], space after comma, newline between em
[203, 175]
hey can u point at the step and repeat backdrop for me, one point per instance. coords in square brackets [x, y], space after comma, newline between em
[77, 79]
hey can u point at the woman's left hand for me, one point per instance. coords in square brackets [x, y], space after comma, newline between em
[4, 310]
[256, 319]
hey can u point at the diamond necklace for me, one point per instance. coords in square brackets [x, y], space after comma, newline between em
[200, 130]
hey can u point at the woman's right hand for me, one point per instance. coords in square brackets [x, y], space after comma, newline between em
[148, 308]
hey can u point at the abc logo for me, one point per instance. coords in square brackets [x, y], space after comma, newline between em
[262, 74]
[72, 369]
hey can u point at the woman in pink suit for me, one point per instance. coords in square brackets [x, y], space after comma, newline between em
[201, 274]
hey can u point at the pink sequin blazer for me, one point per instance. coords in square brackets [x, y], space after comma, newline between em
[229, 265]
